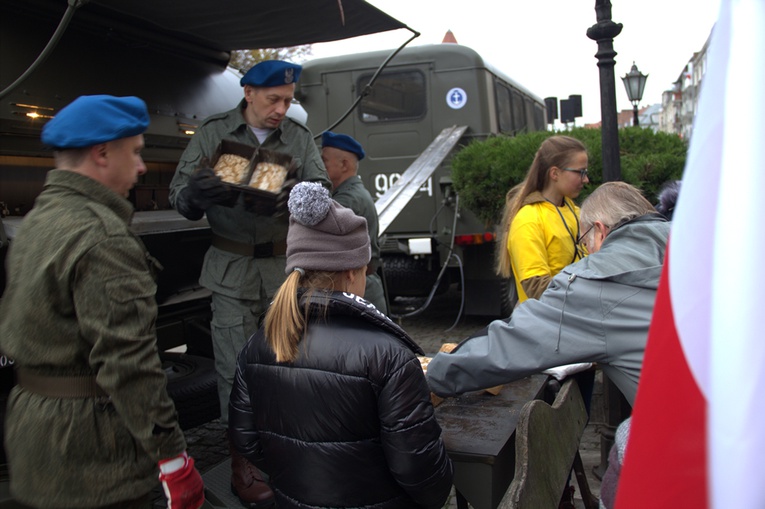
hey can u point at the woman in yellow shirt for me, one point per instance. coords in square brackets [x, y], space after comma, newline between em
[540, 224]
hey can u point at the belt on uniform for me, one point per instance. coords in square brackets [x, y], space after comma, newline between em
[265, 250]
[59, 386]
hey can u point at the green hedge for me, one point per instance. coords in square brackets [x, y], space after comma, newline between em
[483, 171]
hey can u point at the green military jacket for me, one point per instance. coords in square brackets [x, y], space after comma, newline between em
[228, 273]
[352, 194]
[80, 301]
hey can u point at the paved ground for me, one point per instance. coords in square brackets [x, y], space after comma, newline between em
[430, 329]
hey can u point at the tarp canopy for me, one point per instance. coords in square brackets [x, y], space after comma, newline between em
[225, 25]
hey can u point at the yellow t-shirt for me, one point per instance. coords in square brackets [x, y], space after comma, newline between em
[540, 243]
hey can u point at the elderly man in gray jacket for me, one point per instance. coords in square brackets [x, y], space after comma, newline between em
[595, 310]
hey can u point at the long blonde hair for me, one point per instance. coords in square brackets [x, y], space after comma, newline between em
[554, 151]
[285, 321]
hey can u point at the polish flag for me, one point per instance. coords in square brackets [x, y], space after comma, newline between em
[697, 439]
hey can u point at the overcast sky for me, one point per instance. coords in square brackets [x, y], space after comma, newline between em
[542, 44]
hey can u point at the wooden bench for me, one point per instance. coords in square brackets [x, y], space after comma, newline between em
[546, 449]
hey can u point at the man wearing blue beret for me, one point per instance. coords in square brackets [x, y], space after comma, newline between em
[245, 264]
[90, 421]
[341, 155]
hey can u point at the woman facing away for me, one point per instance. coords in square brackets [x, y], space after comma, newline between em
[540, 224]
[329, 398]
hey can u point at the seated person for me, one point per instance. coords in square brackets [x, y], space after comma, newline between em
[615, 461]
[329, 398]
[595, 310]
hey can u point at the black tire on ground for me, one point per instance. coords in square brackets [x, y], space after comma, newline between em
[406, 276]
[508, 296]
[192, 385]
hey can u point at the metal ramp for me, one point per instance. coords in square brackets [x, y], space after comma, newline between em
[390, 204]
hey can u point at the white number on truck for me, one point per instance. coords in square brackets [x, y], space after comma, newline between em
[384, 181]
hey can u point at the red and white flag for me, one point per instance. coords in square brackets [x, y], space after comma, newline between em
[696, 438]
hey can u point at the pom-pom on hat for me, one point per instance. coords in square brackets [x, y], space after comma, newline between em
[271, 73]
[342, 142]
[324, 235]
[93, 119]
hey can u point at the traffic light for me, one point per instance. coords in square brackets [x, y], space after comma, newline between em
[551, 103]
[570, 108]
[566, 111]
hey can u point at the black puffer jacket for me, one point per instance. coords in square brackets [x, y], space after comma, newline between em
[349, 423]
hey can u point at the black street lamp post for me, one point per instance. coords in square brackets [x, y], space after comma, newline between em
[634, 82]
[603, 32]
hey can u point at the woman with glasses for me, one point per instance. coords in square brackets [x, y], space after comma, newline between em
[540, 224]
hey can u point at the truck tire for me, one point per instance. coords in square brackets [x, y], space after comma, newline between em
[406, 276]
[508, 296]
[192, 385]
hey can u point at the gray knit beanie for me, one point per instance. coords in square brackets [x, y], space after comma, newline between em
[324, 235]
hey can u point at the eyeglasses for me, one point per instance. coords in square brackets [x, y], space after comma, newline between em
[580, 240]
[582, 172]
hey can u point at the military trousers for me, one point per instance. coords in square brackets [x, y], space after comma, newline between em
[233, 322]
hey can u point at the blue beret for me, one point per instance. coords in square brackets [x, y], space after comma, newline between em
[343, 142]
[93, 119]
[271, 73]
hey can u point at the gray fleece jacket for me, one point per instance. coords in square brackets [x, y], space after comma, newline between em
[595, 310]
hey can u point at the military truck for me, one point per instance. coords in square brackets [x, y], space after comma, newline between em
[174, 56]
[412, 112]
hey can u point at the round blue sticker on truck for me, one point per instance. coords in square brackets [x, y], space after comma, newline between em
[456, 98]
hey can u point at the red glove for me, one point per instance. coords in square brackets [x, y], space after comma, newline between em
[182, 483]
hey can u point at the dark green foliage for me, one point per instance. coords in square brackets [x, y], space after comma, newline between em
[649, 159]
[484, 171]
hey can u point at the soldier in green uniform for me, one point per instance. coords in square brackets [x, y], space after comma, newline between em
[341, 155]
[89, 421]
[245, 264]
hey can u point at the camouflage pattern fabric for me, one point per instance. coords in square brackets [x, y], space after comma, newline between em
[80, 301]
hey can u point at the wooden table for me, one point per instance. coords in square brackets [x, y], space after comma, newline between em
[479, 433]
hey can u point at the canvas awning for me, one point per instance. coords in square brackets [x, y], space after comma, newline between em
[226, 25]
[250, 24]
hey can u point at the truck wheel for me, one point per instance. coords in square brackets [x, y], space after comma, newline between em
[192, 385]
[406, 276]
[508, 296]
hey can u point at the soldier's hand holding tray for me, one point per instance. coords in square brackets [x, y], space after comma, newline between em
[206, 188]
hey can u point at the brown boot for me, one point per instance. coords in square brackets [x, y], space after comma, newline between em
[248, 483]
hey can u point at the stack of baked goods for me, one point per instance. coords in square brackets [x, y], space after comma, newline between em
[447, 347]
[268, 177]
[424, 361]
[231, 168]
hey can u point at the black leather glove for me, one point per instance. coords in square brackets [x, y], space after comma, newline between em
[280, 207]
[206, 189]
